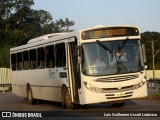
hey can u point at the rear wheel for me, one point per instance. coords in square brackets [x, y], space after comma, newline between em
[30, 96]
[63, 97]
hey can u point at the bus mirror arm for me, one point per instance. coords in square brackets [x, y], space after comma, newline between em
[79, 54]
[79, 60]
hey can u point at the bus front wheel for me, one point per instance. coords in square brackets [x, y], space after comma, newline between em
[30, 96]
[68, 101]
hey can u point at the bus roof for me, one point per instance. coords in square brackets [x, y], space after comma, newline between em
[44, 37]
[60, 36]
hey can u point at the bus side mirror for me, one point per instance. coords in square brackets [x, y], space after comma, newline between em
[145, 67]
[144, 54]
[78, 49]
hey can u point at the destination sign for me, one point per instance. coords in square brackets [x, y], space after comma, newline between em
[110, 32]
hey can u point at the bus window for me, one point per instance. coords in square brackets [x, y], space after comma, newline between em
[49, 51]
[25, 60]
[13, 62]
[32, 54]
[60, 55]
[40, 60]
[19, 61]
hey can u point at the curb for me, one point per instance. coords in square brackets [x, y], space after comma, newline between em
[148, 98]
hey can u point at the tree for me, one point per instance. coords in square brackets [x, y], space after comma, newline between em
[63, 25]
[44, 17]
[19, 23]
[147, 38]
[57, 26]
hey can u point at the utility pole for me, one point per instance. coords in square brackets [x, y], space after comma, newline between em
[153, 58]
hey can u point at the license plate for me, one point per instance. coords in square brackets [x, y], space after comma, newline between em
[120, 94]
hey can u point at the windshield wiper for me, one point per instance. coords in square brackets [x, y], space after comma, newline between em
[123, 45]
[120, 50]
[121, 67]
[103, 46]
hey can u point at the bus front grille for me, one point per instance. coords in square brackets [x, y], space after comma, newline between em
[114, 90]
[117, 78]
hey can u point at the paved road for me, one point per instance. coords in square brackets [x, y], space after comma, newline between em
[11, 102]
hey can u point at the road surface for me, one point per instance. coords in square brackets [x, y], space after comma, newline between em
[11, 102]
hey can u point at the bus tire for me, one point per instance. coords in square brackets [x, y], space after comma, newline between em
[121, 104]
[68, 101]
[30, 98]
[63, 97]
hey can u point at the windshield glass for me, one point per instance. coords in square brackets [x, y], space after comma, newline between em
[120, 57]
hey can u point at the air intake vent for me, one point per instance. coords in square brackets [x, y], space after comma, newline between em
[44, 37]
[117, 78]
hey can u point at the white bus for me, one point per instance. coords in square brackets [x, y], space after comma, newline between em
[94, 65]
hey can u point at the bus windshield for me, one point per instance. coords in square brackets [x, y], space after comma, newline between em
[120, 57]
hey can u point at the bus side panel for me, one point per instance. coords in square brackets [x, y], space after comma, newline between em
[46, 93]
[35, 79]
[18, 87]
[44, 85]
[14, 78]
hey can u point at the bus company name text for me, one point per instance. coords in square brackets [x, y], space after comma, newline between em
[20, 114]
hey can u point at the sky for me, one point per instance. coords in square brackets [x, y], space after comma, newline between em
[87, 13]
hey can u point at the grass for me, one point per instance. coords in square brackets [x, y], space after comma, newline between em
[154, 95]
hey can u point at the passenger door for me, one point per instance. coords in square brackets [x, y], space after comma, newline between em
[74, 80]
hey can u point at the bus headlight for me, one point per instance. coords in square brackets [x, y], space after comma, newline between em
[92, 88]
[136, 86]
[145, 79]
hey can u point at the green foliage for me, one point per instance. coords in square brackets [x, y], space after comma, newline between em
[19, 23]
[147, 38]
[61, 25]
[155, 95]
